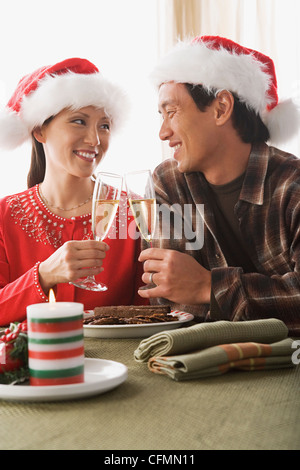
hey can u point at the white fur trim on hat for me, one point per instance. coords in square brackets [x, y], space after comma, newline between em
[196, 63]
[13, 132]
[55, 93]
[200, 63]
[283, 121]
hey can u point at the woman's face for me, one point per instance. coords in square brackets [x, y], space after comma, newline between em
[75, 141]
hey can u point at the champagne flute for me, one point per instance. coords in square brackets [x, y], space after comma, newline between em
[142, 201]
[106, 198]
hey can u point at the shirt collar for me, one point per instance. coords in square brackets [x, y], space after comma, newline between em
[253, 186]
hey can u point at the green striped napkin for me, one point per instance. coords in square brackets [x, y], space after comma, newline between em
[220, 359]
[204, 335]
[208, 349]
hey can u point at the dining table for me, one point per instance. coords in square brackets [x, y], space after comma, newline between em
[238, 410]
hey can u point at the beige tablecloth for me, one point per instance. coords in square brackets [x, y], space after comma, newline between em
[238, 410]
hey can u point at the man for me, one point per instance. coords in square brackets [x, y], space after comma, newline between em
[219, 107]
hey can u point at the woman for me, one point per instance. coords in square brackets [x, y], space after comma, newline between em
[69, 110]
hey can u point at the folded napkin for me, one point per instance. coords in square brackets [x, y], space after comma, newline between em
[218, 360]
[205, 335]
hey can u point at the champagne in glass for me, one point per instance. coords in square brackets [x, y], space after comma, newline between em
[104, 212]
[106, 198]
[142, 201]
[144, 213]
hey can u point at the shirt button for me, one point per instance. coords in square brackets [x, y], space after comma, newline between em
[217, 256]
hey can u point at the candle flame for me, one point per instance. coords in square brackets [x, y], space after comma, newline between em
[51, 296]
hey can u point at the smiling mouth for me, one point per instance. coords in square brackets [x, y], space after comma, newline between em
[176, 148]
[86, 156]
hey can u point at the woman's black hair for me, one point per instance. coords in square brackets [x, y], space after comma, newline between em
[37, 168]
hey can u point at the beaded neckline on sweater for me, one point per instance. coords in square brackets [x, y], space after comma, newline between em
[29, 211]
[46, 208]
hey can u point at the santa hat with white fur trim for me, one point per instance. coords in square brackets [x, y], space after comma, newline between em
[73, 83]
[219, 63]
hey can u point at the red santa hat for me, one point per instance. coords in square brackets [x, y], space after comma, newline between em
[73, 83]
[219, 63]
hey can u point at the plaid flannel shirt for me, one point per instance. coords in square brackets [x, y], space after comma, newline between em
[268, 212]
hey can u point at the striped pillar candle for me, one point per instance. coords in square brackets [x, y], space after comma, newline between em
[55, 343]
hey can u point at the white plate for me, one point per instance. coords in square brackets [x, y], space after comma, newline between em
[136, 331]
[99, 376]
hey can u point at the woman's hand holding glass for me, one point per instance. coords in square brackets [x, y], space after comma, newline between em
[70, 261]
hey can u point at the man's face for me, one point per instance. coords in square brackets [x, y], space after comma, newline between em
[190, 132]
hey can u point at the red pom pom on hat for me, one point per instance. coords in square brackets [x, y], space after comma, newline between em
[73, 83]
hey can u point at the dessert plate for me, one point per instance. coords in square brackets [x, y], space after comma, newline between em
[136, 331]
[99, 376]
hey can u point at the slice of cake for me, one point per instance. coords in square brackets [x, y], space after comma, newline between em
[130, 314]
[128, 311]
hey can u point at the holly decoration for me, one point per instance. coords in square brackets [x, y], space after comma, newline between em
[14, 353]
